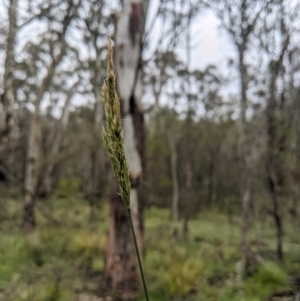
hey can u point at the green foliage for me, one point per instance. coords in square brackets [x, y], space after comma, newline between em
[89, 247]
[46, 292]
[155, 216]
[35, 248]
[269, 278]
[68, 187]
[13, 257]
[157, 155]
[184, 276]
[199, 269]
[177, 274]
[88, 243]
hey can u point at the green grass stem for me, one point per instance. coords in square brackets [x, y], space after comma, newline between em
[138, 255]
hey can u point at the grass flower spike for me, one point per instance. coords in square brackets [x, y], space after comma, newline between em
[113, 134]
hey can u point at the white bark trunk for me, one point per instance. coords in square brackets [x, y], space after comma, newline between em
[128, 50]
[131, 151]
[33, 148]
[129, 31]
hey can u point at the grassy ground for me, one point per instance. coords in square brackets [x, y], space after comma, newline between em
[60, 261]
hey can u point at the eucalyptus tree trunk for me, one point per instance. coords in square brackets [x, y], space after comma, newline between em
[32, 166]
[154, 114]
[274, 164]
[8, 129]
[210, 188]
[277, 135]
[57, 143]
[240, 20]
[244, 151]
[97, 158]
[121, 265]
[8, 97]
[175, 196]
[295, 113]
[188, 164]
[97, 92]
[276, 150]
[95, 174]
[33, 148]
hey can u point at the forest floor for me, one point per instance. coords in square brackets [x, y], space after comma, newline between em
[63, 258]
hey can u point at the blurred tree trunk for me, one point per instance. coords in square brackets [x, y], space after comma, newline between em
[95, 32]
[188, 163]
[97, 158]
[276, 128]
[46, 186]
[276, 150]
[33, 148]
[32, 165]
[294, 113]
[8, 129]
[175, 196]
[240, 23]
[243, 148]
[273, 165]
[210, 188]
[295, 95]
[154, 113]
[34, 135]
[188, 190]
[121, 265]
[8, 97]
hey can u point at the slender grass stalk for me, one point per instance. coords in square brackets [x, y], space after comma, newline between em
[138, 255]
[114, 145]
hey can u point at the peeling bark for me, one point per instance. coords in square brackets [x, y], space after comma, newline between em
[121, 268]
[121, 263]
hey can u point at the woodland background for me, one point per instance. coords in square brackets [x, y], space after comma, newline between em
[214, 154]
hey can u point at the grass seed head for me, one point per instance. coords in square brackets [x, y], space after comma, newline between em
[112, 134]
